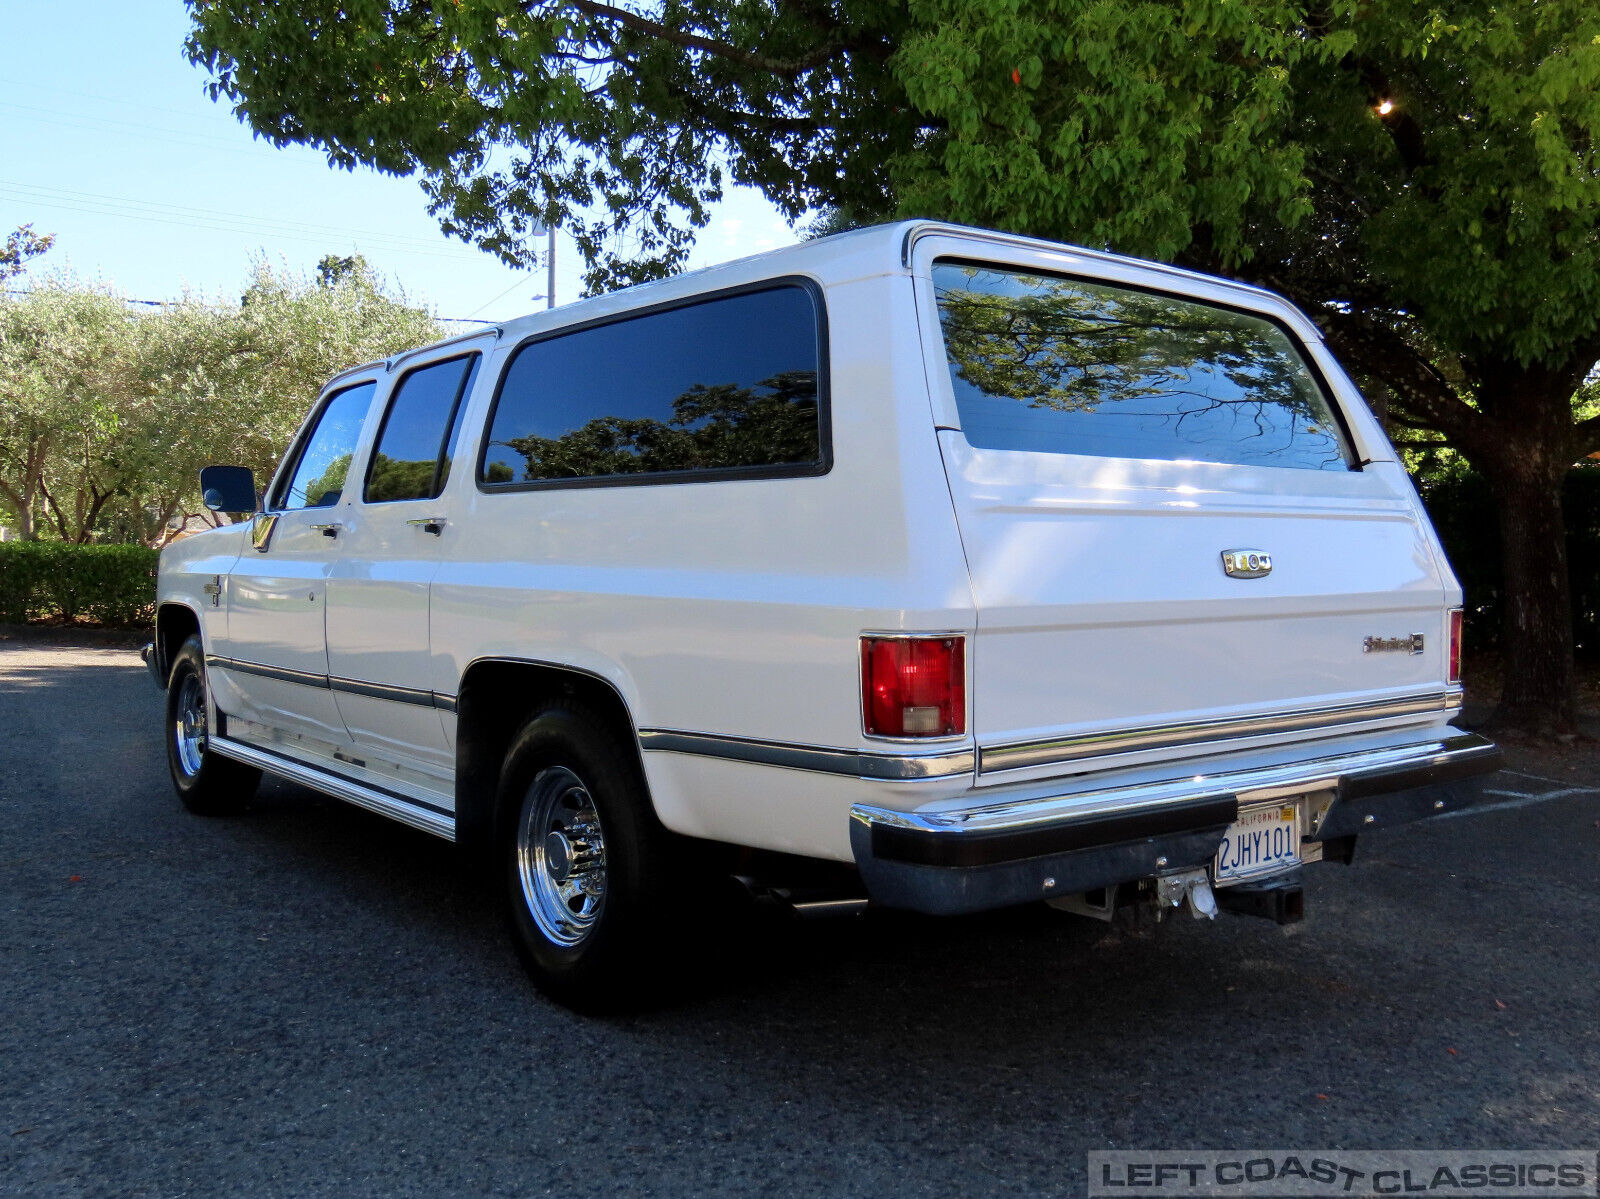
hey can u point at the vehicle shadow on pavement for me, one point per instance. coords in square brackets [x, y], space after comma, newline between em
[964, 975]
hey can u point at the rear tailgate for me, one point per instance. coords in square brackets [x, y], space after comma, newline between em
[1116, 447]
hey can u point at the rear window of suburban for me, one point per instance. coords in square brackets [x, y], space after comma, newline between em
[730, 386]
[1069, 366]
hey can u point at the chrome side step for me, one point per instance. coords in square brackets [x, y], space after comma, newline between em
[386, 803]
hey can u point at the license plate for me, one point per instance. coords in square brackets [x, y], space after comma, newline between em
[1263, 841]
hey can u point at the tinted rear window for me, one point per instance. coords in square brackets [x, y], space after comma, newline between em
[1067, 366]
[728, 384]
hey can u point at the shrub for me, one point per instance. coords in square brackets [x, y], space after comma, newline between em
[51, 580]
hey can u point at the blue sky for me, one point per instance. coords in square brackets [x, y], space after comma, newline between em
[108, 140]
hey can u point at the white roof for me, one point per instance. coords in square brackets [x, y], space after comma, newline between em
[857, 254]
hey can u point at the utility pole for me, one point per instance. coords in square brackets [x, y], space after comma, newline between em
[550, 268]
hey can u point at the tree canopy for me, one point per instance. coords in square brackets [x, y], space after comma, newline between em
[1423, 176]
[108, 413]
[1448, 135]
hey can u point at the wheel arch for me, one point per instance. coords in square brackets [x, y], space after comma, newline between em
[176, 622]
[495, 697]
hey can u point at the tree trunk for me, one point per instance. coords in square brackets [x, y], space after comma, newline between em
[22, 507]
[1536, 633]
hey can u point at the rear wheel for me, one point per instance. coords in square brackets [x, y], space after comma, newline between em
[207, 783]
[583, 859]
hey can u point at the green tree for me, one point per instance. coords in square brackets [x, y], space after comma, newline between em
[21, 245]
[56, 345]
[107, 414]
[333, 268]
[289, 336]
[1421, 176]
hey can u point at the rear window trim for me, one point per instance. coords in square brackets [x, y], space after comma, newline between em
[1356, 465]
[787, 470]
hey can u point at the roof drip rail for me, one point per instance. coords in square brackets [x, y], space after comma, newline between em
[353, 370]
[923, 229]
[394, 360]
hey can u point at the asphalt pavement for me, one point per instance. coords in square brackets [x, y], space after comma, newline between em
[309, 1000]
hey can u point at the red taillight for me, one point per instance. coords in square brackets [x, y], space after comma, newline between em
[1455, 645]
[914, 686]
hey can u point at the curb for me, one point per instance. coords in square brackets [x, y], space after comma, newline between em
[46, 634]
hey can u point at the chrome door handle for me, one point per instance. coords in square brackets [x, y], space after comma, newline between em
[428, 524]
[329, 530]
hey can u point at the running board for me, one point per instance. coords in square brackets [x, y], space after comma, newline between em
[385, 803]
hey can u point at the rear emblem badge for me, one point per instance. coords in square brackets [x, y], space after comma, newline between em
[1393, 645]
[1246, 564]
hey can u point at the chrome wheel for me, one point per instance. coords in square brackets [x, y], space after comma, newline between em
[561, 856]
[189, 724]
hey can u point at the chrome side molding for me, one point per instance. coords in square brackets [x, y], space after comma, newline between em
[1059, 750]
[400, 695]
[857, 763]
[990, 759]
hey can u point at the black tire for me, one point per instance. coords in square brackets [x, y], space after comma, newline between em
[207, 783]
[574, 815]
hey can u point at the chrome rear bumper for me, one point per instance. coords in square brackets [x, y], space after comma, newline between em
[996, 854]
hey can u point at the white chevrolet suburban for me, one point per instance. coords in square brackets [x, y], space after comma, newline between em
[932, 567]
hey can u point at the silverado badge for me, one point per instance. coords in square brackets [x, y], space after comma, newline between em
[1393, 645]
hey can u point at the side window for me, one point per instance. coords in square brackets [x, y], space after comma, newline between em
[730, 384]
[419, 433]
[318, 478]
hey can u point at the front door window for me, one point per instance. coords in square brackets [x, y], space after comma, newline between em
[318, 477]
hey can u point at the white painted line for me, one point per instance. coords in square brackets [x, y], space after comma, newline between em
[1523, 774]
[1522, 801]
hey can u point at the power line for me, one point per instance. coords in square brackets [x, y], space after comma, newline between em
[497, 299]
[120, 101]
[114, 125]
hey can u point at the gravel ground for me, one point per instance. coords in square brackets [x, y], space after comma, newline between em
[309, 1000]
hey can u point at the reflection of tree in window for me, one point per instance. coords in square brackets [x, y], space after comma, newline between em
[1208, 377]
[400, 479]
[713, 427]
[318, 479]
[324, 491]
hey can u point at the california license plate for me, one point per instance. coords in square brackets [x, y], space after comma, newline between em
[1263, 841]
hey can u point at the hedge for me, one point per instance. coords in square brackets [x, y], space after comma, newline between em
[1464, 513]
[52, 580]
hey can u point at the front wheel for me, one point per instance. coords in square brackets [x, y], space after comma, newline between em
[583, 861]
[207, 783]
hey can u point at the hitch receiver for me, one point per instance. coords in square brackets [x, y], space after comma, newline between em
[1280, 900]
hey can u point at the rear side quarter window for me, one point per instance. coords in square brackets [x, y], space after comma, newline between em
[420, 429]
[728, 386]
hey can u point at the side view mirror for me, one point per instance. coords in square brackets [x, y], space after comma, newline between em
[228, 488]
